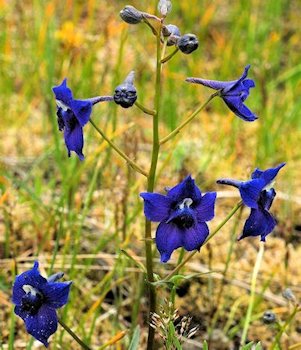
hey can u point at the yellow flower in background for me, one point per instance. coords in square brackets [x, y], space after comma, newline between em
[69, 35]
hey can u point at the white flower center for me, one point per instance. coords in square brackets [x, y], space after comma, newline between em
[269, 186]
[29, 289]
[62, 105]
[186, 203]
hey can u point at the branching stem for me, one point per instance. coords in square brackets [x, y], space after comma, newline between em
[188, 120]
[134, 165]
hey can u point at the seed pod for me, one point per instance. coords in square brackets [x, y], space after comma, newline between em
[269, 317]
[172, 32]
[188, 43]
[126, 94]
[131, 15]
[164, 7]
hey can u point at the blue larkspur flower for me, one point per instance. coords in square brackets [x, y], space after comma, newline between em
[234, 93]
[73, 115]
[258, 195]
[182, 214]
[36, 299]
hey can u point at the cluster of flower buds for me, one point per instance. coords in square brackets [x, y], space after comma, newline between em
[186, 43]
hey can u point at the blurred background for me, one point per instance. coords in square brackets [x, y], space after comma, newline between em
[77, 216]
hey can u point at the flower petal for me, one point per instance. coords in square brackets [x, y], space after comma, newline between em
[185, 189]
[250, 192]
[205, 210]
[56, 293]
[267, 175]
[63, 93]
[259, 223]
[236, 105]
[32, 278]
[168, 238]
[237, 82]
[42, 325]
[195, 236]
[156, 206]
[267, 197]
[74, 140]
[82, 110]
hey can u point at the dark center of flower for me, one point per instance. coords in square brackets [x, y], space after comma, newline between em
[32, 300]
[185, 218]
[71, 122]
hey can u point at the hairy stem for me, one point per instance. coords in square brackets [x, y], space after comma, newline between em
[252, 297]
[150, 188]
[74, 336]
[118, 150]
[189, 256]
[188, 120]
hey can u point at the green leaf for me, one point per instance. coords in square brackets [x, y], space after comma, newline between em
[258, 346]
[205, 345]
[172, 337]
[135, 340]
[247, 346]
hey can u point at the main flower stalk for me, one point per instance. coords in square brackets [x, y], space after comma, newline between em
[150, 188]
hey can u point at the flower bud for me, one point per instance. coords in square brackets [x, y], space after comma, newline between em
[131, 15]
[172, 32]
[289, 295]
[188, 43]
[164, 7]
[126, 94]
[269, 317]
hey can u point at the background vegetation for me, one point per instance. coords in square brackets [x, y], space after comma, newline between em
[76, 217]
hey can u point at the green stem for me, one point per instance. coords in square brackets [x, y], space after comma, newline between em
[74, 336]
[252, 297]
[283, 328]
[145, 20]
[144, 109]
[170, 56]
[119, 151]
[189, 256]
[224, 273]
[188, 120]
[150, 188]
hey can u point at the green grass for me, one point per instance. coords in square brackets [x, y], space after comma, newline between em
[77, 216]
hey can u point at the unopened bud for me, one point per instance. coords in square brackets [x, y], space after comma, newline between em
[164, 7]
[173, 34]
[188, 43]
[269, 317]
[289, 295]
[131, 15]
[126, 94]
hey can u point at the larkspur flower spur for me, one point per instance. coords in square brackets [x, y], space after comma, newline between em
[234, 93]
[182, 214]
[257, 195]
[36, 299]
[73, 115]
